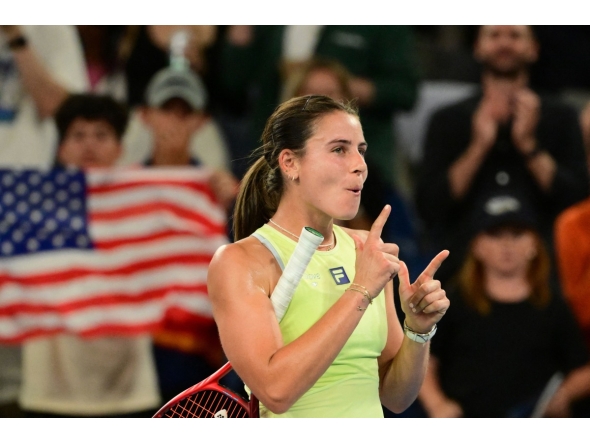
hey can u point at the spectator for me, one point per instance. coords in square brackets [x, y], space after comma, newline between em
[507, 332]
[90, 131]
[319, 76]
[146, 50]
[173, 115]
[504, 136]
[383, 75]
[39, 65]
[172, 129]
[141, 52]
[139, 140]
[106, 376]
[572, 246]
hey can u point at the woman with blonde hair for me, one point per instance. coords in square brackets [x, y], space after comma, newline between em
[510, 335]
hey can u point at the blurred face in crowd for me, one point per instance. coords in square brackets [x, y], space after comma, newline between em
[172, 124]
[89, 143]
[506, 250]
[506, 50]
[324, 82]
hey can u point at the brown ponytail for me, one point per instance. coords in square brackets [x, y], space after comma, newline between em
[255, 204]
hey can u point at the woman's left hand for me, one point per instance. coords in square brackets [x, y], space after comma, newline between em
[424, 302]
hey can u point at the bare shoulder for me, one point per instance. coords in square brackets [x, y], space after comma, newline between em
[246, 261]
[361, 234]
[248, 251]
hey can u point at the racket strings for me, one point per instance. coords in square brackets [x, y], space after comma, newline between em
[207, 404]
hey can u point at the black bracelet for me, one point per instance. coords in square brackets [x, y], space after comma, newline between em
[17, 42]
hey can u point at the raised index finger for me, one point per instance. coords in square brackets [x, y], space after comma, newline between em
[433, 266]
[377, 227]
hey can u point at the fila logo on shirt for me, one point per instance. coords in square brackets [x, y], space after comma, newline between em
[339, 276]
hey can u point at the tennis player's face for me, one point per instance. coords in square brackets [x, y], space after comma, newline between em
[333, 168]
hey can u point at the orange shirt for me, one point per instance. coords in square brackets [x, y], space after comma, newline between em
[572, 245]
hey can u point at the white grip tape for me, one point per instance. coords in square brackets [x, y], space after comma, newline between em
[283, 292]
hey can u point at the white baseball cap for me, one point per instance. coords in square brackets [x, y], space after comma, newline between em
[170, 83]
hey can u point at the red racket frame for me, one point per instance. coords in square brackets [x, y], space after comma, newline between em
[208, 397]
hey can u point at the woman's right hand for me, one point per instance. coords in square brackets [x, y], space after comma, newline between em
[377, 262]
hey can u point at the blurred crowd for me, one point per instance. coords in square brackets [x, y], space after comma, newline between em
[479, 139]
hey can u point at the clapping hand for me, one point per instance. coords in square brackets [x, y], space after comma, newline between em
[526, 113]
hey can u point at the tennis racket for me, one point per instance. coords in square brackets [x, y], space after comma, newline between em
[210, 399]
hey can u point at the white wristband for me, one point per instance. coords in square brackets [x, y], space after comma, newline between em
[421, 338]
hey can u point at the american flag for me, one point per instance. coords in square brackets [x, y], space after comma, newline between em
[105, 251]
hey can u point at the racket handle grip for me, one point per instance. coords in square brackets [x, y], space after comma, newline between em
[309, 240]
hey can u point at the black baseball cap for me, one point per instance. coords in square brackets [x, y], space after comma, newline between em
[503, 210]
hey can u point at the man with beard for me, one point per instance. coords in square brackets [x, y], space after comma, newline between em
[505, 137]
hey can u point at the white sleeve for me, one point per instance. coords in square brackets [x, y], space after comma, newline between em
[209, 146]
[60, 50]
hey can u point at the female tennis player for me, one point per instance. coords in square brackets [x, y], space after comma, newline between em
[339, 350]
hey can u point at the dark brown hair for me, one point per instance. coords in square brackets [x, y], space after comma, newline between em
[471, 280]
[289, 127]
[91, 107]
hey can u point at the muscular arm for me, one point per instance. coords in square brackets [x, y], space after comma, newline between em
[403, 363]
[277, 374]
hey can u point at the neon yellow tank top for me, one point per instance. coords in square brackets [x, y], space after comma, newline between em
[350, 386]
